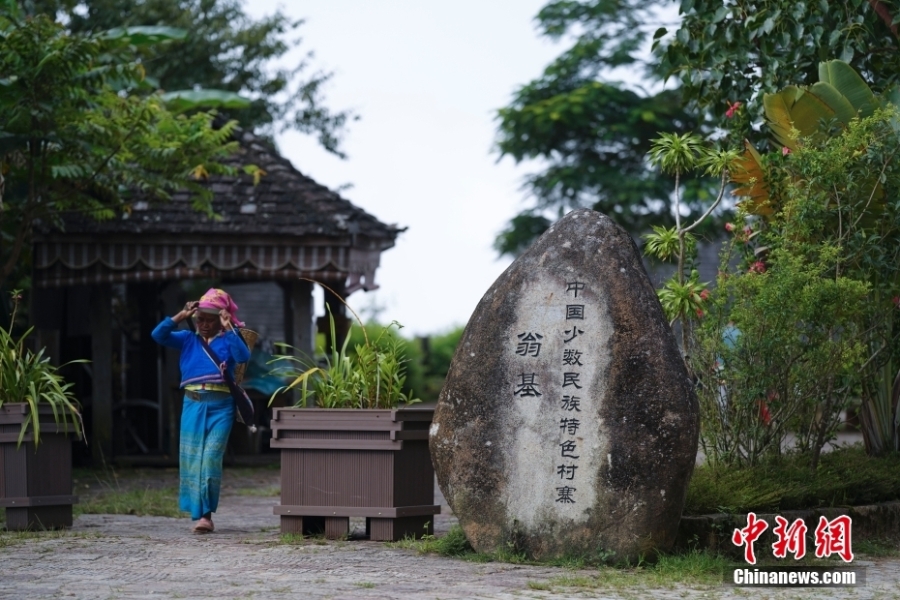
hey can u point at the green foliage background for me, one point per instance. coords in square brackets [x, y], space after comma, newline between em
[727, 52]
[589, 133]
[78, 133]
[225, 49]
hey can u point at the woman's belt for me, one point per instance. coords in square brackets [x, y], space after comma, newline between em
[207, 394]
[207, 387]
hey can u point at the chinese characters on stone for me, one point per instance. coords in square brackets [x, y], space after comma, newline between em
[528, 386]
[570, 403]
[528, 344]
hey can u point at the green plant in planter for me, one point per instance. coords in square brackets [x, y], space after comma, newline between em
[337, 462]
[372, 377]
[29, 377]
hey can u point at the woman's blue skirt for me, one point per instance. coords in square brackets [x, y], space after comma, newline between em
[205, 426]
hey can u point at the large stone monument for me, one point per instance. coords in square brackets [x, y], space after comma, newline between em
[568, 424]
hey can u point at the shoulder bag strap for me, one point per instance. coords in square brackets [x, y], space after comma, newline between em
[221, 366]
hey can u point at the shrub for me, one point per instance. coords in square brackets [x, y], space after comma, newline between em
[778, 352]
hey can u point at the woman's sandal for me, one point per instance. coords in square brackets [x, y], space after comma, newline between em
[204, 525]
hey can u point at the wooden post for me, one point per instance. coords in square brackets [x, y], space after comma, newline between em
[172, 301]
[303, 332]
[339, 311]
[101, 368]
[299, 330]
[47, 317]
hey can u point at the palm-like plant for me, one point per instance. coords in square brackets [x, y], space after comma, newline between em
[677, 155]
[29, 377]
[795, 114]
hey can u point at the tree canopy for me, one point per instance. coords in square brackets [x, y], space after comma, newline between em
[225, 49]
[736, 52]
[74, 135]
[100, 99]
[591, 135]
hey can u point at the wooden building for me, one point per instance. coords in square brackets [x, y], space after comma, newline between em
[101, 287]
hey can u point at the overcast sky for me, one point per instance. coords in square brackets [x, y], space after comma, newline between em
[427, 79]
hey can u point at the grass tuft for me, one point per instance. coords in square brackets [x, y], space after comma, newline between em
[125, 492]
[876, 548]
[694, 567]
[13, 538]
[453, 543]
[691, 567]
[147, 502]
[292, 539]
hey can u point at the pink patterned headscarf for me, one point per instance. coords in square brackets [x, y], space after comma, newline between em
[216, 299]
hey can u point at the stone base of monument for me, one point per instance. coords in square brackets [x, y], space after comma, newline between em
[342, 463]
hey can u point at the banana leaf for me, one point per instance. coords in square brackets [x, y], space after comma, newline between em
[848, 82]
[749, 175]
[836, 101]
[145, 35]
[794, 108]
[183, 100]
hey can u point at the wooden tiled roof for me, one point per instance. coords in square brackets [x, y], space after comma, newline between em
[285, 202]
[285, 226]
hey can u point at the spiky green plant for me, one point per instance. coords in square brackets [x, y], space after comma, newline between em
[371, 377]
[29, 377]
[677, 155]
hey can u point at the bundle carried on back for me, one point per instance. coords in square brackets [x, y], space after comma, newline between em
[250, 338]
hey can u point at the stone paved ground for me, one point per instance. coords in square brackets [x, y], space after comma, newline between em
[124, 556]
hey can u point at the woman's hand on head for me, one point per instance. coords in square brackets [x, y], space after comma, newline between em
[225, 319]
[187, 312]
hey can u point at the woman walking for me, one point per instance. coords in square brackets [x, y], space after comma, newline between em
[208, 410]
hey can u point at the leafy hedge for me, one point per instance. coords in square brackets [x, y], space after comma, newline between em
[845, 477]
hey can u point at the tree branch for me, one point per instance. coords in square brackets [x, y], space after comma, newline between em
[714, 204]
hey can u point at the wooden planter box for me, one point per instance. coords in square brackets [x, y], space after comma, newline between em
[342, 463]
[35, 484]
